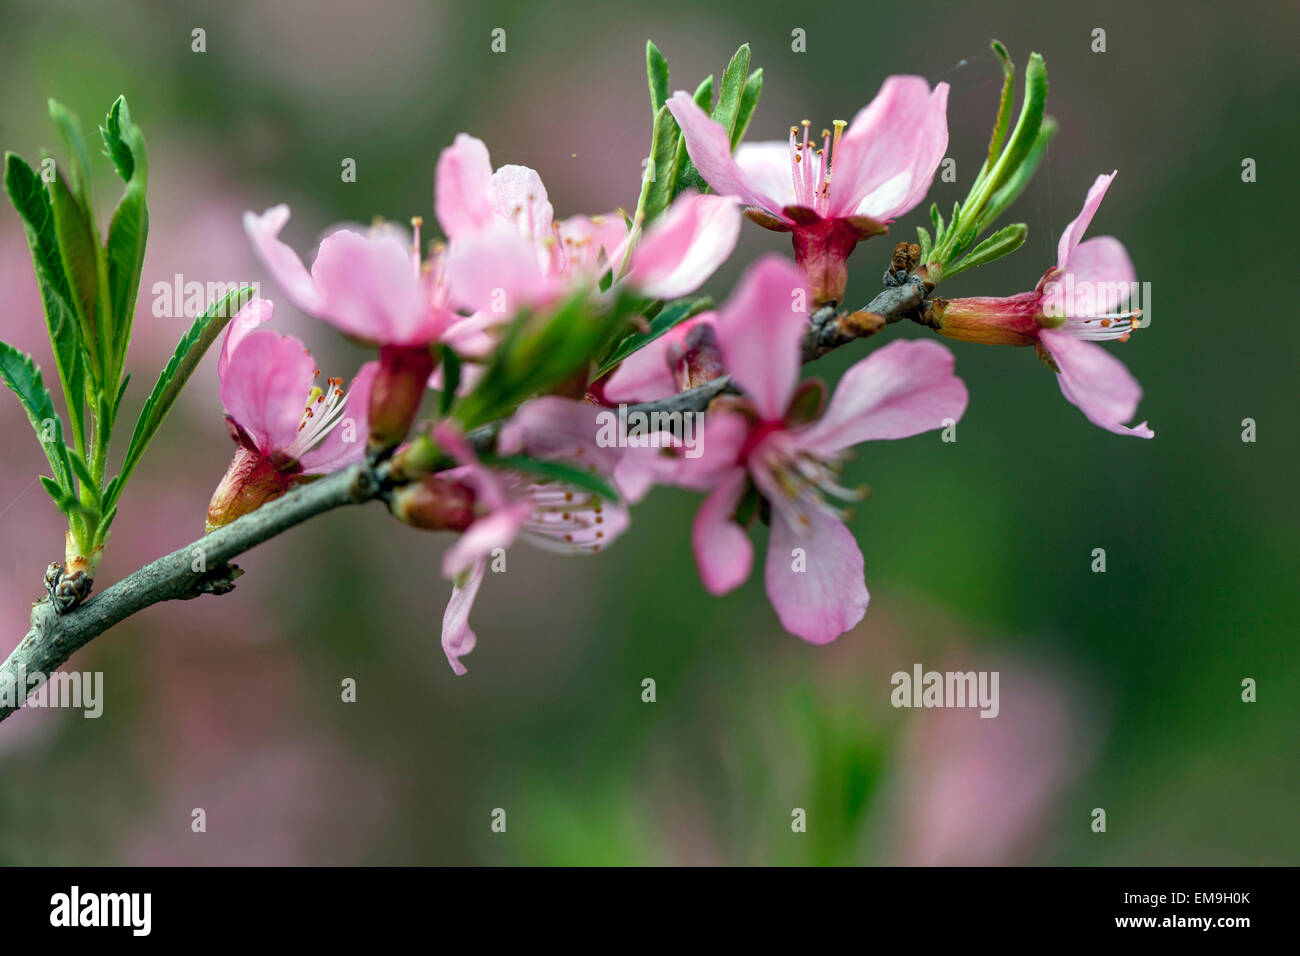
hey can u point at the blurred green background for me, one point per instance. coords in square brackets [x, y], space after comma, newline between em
[1119, 690]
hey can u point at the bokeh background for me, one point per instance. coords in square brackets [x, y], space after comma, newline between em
[1119, 690]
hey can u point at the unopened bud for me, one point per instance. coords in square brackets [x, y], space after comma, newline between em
[399, 388]
[434, 504]
[988, 320]
[251, 481]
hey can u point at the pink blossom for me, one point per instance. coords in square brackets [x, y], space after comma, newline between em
[777, 447]
[285, 426]
[508, 251]
[882, 163]
[375, 287]
[1077, 303]
[549, 514]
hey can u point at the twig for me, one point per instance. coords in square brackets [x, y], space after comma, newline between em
[204, 566]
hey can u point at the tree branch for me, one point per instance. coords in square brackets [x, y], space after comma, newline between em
[204, 566]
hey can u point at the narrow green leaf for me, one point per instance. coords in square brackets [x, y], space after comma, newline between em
[1003, 242]
[79, 252]
[732, 90]
[1025, 134]
[657, 73]
[923, 236]
[673, 314]
[557, 471]
[129, 229]
[1003, 122]
[657, 189]
[55, 491]
[89, 489]
[1015, 185]
[78, 157]
[450, 379]
[936, 220]
[23, 377]
[173, 378]
[30, 199]
[748, 102]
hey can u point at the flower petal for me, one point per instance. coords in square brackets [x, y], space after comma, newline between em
[517, 196]
[685, 246]
[760, 332]
[497, 529]
[457, 638]
[592, 244]
[767, 167]
[709, 147]
[1079, 225]
[903, 389]
[371, 290]
[282, 262]
[496, 272]
[723, 551]
[1096, 383]
[829, 596]
[265, 387]
[885, 162]
[461, 186]
[1102, 266]
[647, 374]
[246, 320]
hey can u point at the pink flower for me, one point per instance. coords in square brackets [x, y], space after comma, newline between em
[549, 514]
[508, 252]
[285, 426]
[882, 164]
[675, 361]
[1078, 302]
[376, 288]
[774, 445]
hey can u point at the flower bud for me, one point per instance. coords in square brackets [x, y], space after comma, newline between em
[251, 481]
[399, 388]
[988, 320]
[434, 504]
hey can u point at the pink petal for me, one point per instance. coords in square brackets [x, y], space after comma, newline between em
[518, 196]
[553, 428]
[346, 443]
[371, 289]
[886, 159]
[829, 597]
[1079, 225]
[724, 438]
[246, 320]
[647, 374]
[767, 167]
[495, 272]
[685, 246]
[265, 387]
[592, 244]
[457, 638]
[1102, 264]
[282, 262]
[903, 389]
[709, 147]
[461, 186]
[1096, 383]
[761, 332]
[495, 530]
[723, 552]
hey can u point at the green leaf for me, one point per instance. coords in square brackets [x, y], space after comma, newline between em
[1003, 242]
[732, 90]
[80, 254]
[56, 491]
[673, 314]
[748, 102]
[130, 226]
[1003, 122]
[936, 220]
[30, 199]
[78, 158]
[661, 173]
[1025, 134]
[657, 73]
[926, 245]
[557, 471]
[450, 379]
[173, 378]
[22, 376]
[1016, 184]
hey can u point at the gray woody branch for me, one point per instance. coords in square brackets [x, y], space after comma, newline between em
[53, 638]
